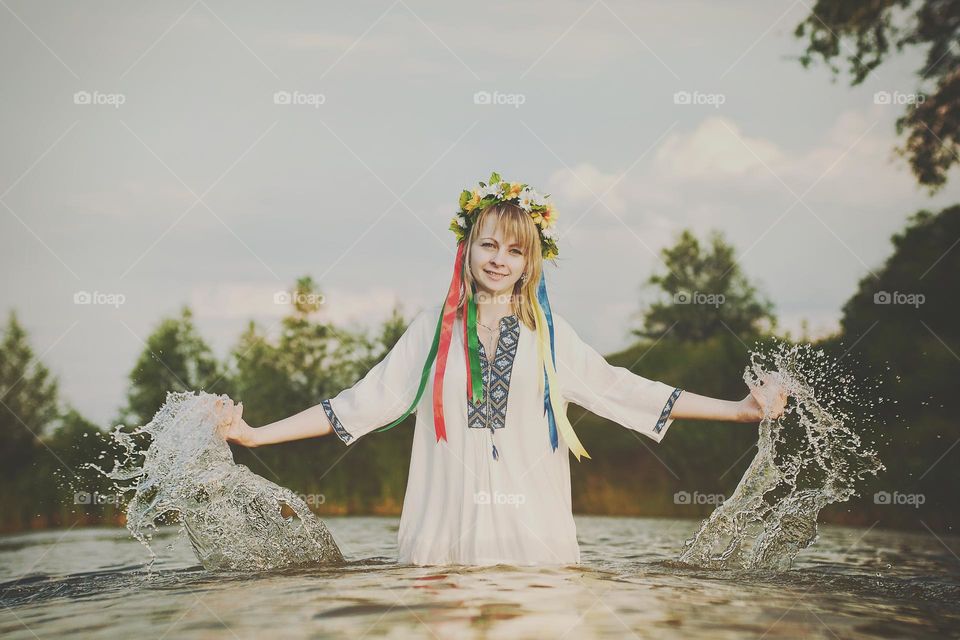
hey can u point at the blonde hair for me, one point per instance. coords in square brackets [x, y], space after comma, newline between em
[517, 226]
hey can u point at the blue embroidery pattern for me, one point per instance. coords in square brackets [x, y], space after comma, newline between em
[497, 374]
[667, 408]
[338, 427]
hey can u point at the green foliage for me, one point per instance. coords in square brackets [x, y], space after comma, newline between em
[707, 294]
[28, 400]
[175, 358]
[865, 33]
[901, 328]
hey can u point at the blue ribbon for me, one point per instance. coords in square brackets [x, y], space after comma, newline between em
[547, 407]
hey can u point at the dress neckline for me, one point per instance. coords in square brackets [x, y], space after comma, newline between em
[506, 322]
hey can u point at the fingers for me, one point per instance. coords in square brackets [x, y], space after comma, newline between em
[772, 401]
[222, 412]
[237, 415]
[757, 392]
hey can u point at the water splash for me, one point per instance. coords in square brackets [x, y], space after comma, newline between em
[233, 518]
[807, 459]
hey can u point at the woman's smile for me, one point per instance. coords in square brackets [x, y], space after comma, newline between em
[495, 275]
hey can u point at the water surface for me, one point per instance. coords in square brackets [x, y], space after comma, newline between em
[852, 583]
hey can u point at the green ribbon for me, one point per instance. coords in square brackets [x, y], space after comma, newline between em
[476, 377]
[434, 348]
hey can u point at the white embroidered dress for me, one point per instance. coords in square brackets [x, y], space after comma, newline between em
[461, 505]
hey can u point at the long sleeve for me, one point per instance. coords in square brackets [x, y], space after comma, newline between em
[615, 393]
[387, 390]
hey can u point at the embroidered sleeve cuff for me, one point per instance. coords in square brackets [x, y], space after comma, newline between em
[660, 429]
[338, 427]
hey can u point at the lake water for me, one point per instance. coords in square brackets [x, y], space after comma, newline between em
[852, 582]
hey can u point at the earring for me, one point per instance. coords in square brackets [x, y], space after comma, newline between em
[523, 278]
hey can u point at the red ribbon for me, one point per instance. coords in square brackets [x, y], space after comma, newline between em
[466, 347]
[446, 334]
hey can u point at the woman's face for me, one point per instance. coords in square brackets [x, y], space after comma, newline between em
[496, 262]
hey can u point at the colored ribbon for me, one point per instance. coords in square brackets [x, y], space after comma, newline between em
[554, 402]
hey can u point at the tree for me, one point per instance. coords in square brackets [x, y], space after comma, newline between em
[29, 402]
[175, 358]
[906, 317]
[58, 480]
[933, 117]
[707, 295]
[900, 329]
[309, 361]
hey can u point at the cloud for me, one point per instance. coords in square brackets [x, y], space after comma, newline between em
[268, 301]
[718, 175]
[716, 151]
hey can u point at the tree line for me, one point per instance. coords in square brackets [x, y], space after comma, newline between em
[898, 328]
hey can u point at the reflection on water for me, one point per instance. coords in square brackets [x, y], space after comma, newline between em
[853, 582]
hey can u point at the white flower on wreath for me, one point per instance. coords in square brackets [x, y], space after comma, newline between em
[489, 190]
[529, 197]
[550, 234]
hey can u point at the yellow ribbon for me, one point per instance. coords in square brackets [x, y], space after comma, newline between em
[556, 401]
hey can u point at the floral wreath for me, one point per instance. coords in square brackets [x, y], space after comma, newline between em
[541, 210]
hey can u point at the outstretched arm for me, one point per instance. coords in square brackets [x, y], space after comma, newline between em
[769, 398]
[647, 406]
[309, 423]
[380, 397]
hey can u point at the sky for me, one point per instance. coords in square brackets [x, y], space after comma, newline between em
[208, 154]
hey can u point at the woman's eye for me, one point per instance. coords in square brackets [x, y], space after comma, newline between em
[518, 251]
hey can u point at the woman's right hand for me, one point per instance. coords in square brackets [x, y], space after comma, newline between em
[233, 428]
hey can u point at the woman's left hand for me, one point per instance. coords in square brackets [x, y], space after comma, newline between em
[767, 399]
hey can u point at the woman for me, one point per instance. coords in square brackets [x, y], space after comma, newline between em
[489, 482]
